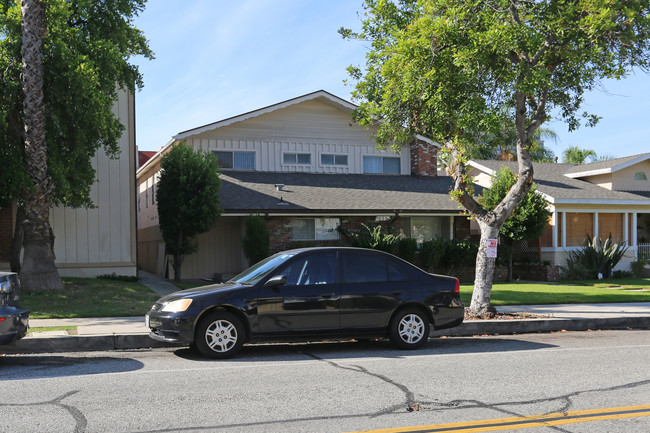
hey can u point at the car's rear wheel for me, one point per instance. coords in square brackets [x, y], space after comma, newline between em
[219, 335]
[409, 329]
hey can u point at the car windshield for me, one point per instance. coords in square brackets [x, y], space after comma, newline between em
[255, 273]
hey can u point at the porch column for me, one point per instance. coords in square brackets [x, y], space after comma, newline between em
[626, 228]
[634, 237]
[555, 229]
[451, 227]
[564, 229]
[595, 235]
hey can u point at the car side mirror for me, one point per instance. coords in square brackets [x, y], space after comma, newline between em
[277, 281]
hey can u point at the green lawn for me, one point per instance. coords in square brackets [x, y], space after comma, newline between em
[566, 292]
[90, 297]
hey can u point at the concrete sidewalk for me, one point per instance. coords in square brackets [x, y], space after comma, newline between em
[112, 333]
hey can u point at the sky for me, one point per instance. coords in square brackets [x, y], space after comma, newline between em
[218, 59]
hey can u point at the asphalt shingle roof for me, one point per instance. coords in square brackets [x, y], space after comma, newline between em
[602, 165]
[246, 191]
[551, 180]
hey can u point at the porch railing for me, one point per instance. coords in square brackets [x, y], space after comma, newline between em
[643, 250]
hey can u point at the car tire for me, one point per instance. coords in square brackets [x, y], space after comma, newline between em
[220, 335]
[409, 329]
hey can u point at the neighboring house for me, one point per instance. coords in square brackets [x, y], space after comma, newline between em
[305, 167]
[101, 240]
[599, 199]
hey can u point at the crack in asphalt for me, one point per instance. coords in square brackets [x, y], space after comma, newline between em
[408, 394]
[432, 406]
[452, 405]
[80, 420]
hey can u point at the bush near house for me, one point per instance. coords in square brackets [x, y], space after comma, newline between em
[596, 259]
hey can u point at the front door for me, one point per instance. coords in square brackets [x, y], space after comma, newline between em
[308, 302]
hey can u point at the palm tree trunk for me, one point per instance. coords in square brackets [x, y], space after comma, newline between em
[38, 271]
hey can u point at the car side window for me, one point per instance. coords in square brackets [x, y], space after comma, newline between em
[395, 273]
[312, 269]
[364, 268]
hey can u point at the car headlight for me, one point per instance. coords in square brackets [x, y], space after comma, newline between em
[177, 306]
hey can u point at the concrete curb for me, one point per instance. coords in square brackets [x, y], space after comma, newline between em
[528, 326]
[74, 343]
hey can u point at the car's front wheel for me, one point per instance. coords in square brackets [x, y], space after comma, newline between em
[219, 335]
[409, 329]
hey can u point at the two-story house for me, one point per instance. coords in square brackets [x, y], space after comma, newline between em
[307, 169]
[101, 239]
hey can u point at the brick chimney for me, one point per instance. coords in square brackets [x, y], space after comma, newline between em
[424, 159]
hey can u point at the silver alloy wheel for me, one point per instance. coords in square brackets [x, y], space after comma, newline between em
[221, 336]
[411, 328]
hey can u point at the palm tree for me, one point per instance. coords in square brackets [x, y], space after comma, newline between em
[574, 155]
[38, 271]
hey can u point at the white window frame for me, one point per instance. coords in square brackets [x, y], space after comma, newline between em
[347, 159]
[383, 157]
[305, 164]
[232, 151]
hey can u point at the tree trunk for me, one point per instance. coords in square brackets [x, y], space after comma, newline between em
[38, 271]
[177, 263]
[480, 305]
[17, 242]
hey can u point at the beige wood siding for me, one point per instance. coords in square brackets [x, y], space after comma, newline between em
[94, 241]
[219, 251]
[310, 127]
[623, 180]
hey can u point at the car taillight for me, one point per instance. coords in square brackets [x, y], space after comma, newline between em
[457, 288]
[2, 319]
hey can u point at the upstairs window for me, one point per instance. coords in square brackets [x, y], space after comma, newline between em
[381, 164]
[640, 176]
[232, 160]
[296, 158]
[331, 159]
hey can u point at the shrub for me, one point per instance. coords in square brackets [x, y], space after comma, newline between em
[622, 274]
[440, 253]
[407, 249]
[432, 253]
[256, 242]
[638, 266]
[372, 238]
[596, 258]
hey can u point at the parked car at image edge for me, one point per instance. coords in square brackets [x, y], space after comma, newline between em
[14, 320]
[311, 293]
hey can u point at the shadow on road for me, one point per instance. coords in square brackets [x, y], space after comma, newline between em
[370, 349]
[18, 367]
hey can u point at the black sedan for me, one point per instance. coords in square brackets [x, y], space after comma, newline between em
[311, 293]
[13, 319]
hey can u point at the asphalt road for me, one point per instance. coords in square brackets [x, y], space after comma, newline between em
[339, 387]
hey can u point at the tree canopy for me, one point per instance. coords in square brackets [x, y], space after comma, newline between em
[188, 200]
[87, 46]
[447, 69]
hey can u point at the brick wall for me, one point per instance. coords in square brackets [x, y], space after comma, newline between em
[424, 159]
[6, 233]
